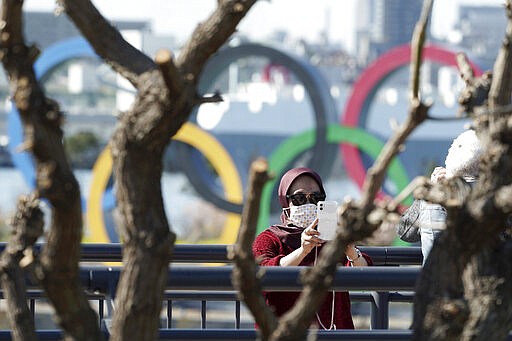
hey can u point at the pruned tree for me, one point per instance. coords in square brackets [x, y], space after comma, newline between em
[464, 291]
[166, 94]
[28, 226]
[57, 267]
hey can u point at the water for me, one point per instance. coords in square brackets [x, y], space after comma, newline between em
[12, 185]
[177, 194]
[190, 216]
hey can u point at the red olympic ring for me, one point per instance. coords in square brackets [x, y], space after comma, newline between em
[367, 84]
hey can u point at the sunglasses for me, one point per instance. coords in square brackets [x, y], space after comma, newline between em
[303, 198]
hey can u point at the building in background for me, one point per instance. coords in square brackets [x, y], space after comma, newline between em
[46, 28]
[384, 24]
[91, 94]
[478, 31]
[266, 103]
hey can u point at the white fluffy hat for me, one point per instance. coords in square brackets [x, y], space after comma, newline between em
[464, 156]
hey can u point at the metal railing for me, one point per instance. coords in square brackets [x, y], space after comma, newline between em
[215, 253]
[190, 278]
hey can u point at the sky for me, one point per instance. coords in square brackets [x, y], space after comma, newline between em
[310, 17]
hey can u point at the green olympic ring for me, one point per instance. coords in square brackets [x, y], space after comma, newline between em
[293, 146]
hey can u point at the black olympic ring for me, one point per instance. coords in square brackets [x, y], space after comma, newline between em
[323, 153]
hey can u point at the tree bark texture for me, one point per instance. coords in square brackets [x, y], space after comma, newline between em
[166, 96]
[42, 119]
[245, 273]
[488, 289]
[28, 225]
[463, 292]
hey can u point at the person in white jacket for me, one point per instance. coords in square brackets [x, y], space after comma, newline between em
[423, 220]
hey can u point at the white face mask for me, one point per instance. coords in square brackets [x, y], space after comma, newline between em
[303, 215]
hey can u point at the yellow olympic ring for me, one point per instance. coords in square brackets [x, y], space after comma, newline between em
[197, 138]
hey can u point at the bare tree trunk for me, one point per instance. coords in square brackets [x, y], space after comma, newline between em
[431, 303]
[42, 119]
[166, 95]
[465, 282]
[28, 225]
[489, 291]
[147, 240]
[20, 317]
[463, 297]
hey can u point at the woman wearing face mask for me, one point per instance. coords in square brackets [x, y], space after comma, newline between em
[296, 242]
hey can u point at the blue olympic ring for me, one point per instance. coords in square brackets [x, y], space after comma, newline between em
[49, 59]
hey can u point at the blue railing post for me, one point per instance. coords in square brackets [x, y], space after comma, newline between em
[169, 313]
[237, 314]
[203, 314]
[380, 310]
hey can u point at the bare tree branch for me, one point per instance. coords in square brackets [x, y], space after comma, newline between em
[215, 98]
[356, 221]
[317, 280]
[172, 77]
[501, 87]
[476, 92]
[418, 40]
[28, 224]
[354, 224]
[444, 119]
[108, 44]
[210, 35]
[498, 111]
[245, 278]
[466, 70]
[166, 95]
[376, 174]
[417, 114]
[415, 183]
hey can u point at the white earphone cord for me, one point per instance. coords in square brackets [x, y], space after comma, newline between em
[332, 326]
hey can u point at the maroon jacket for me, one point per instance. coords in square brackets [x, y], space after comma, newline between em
[278, 241]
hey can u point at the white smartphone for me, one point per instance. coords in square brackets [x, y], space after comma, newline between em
[327, 219]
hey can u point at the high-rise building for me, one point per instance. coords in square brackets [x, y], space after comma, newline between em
[481, 30]
[384, 24]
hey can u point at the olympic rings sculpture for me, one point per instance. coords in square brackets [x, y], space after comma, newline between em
[326, 132]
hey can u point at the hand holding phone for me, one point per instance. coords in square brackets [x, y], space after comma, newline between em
[327, 219]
